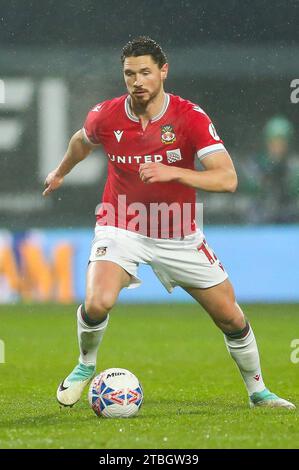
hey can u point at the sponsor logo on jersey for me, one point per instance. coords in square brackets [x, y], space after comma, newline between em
[173, 155]
[167, 134]
[213, 132]
[135, 158]
[118, 135]
[101, 250]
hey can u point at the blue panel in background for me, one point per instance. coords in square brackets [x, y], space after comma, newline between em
[262, 262]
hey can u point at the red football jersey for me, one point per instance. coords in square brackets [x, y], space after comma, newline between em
[175, 136]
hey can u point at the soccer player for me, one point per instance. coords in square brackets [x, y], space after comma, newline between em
[151, 139]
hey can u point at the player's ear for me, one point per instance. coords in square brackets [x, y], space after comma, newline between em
[164, 71]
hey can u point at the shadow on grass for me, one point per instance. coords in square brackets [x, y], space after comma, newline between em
[52, 419]
[158, 409]
[190, 407]
[73, 416]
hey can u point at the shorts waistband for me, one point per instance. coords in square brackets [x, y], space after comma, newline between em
[115, 230]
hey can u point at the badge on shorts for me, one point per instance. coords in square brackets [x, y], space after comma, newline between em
[101, 250]
[167, 134]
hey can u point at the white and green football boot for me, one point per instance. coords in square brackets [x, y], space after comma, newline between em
[71, 388]
[269, 399]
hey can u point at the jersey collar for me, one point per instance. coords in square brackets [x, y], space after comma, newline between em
[155, 118]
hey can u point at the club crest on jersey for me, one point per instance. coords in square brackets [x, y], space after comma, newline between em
[101, 250]
[167, 134]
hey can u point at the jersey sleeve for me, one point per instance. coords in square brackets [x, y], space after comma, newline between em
[92, 125]
[203, 136]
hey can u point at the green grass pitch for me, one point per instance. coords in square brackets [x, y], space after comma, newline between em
[194, 395]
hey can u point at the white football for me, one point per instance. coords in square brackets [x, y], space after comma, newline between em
[115, 393]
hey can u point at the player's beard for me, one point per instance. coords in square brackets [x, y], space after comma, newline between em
[142, 102]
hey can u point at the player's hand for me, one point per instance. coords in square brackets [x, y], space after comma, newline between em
[52, 182]
[157, 173]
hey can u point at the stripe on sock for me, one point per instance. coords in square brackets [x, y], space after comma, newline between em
[239, 334]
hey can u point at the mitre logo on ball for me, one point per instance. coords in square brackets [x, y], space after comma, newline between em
[167, 134]
[115, 374]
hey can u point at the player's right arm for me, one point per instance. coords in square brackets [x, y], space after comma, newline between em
[77, 150]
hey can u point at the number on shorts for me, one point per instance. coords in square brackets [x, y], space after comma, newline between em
[209, 254]
[204, 248]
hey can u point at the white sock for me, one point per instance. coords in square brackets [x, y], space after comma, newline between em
[245, 353]
[89, 338]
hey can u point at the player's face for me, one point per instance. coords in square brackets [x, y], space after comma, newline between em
[144, 79]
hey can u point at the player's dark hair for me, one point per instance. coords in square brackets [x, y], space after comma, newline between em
[143, 45]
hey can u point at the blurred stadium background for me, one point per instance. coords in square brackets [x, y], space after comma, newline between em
[235, 59]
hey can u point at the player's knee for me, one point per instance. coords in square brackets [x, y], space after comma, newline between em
[232, 325]
[98, 307]
[232, 318]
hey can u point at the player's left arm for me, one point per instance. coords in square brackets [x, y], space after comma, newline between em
[219, 174]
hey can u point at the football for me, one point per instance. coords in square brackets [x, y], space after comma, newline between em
[115, 393]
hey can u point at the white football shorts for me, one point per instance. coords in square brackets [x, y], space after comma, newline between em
[185, 262]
